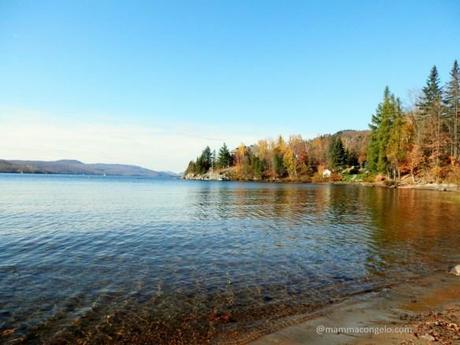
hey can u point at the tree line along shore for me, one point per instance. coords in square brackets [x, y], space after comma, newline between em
[418, 143]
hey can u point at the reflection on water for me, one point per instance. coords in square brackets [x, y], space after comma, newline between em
[128, 260]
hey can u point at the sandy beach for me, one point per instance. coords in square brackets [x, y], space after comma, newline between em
[416, 312]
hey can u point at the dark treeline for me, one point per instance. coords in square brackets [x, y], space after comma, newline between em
[421, 141]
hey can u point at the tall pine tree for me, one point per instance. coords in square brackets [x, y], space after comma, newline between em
[224, 158]
[429, 118]
[337, 153]
[452, 109]
[204, 162]
[398, 141]
[381, 128]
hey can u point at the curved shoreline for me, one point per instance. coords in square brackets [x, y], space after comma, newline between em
[406, 305]
[441, 187]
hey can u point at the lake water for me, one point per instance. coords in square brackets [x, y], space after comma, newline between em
[128, 260]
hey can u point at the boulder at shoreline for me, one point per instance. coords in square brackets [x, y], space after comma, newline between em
[455, 270]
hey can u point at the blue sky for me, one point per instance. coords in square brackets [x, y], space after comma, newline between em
[123, 81]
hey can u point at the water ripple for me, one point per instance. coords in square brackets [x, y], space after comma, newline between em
[144, 261]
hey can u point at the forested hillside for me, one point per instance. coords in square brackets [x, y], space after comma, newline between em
[420, 142]
[74, 167]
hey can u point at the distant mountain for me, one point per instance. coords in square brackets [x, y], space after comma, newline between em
[75, 167]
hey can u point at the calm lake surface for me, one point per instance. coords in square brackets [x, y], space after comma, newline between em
[128, 260]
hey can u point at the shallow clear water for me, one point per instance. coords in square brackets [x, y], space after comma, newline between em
[131, 260]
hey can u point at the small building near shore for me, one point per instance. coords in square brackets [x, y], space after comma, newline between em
[327, 173]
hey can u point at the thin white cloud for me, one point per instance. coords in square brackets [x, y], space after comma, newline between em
[37, 135]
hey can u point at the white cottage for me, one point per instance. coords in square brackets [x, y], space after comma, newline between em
[327, 173]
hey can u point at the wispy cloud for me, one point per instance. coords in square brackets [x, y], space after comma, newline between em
[30, 134]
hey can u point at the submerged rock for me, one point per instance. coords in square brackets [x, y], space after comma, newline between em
[455, 270]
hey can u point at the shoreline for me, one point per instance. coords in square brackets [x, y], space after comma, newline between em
[441, 187]
[414, 312]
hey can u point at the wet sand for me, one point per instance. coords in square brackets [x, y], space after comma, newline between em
[416, 312]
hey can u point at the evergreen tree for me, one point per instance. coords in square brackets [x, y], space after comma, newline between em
[374, 142]
[191, 168]
[278, 165]
[337, 153]
[224, 158]
[432, 94]
[381, 126]
[396, 150]
[389, 112]
[258, 167]
[452, 108]
[429, 118]
[204, 162]
[352, 158]
[373, 149]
